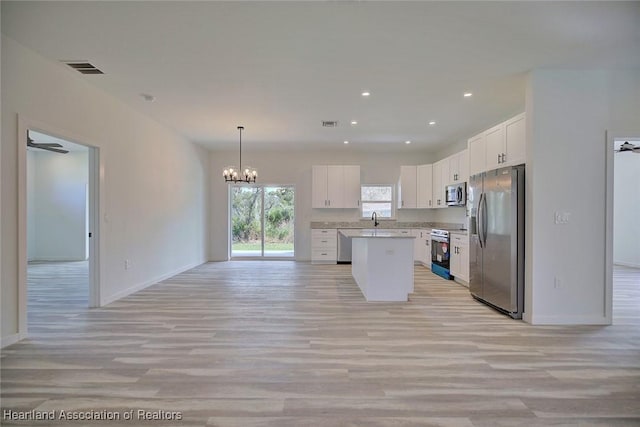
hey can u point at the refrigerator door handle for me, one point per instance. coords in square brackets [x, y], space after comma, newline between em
[484, 219]
[479, 220]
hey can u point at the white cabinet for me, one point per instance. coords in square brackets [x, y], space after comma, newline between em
[324, 246]
[477, 153]
[459, 261]
[335, 186]
[351, 187]
[440, 177]
[458, 168]
[422, 247]
[515, 141]
[424, 192]
[407, 196]
[495, 146]
[319, 186]
[415, 187]
[502, 145]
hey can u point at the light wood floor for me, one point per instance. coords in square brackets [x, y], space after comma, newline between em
[285, 344]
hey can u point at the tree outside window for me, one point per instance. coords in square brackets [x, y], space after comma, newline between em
[377, 198]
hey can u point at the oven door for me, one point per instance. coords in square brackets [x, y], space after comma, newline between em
[440, 252]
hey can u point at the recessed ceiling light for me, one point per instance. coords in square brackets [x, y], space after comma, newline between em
[467, 94]
[346, 142]
[407, 142]
[432, 122]
[354, 122]
[366, 93]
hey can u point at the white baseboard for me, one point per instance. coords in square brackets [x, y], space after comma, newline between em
[11, 339]
[55, 259]
[569, 320]
[626, 264]
[140, 286]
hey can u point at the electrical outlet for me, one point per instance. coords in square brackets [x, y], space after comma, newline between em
[126, 264]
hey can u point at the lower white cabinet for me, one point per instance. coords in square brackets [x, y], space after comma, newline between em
[459, 261]
[324, 246]
[422, 248]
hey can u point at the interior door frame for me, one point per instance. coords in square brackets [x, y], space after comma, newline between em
[611, 136]
[230, 230]
[95, 204]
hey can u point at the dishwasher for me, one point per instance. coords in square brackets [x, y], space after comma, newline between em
[344, 249]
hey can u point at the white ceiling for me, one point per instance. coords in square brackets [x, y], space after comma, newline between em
[280, 68]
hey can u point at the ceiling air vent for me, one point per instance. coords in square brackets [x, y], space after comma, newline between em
[329, 123]
[83, 67]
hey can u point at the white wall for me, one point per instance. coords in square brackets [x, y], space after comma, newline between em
[294, 167]
[568, 112]
[155, 183]
[57, 205]
[626, 211]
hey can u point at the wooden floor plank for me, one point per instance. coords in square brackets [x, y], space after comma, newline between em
[280, 343]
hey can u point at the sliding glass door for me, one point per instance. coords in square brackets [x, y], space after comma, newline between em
[262, 221]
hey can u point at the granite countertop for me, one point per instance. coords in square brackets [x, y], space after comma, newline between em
[369, 233]
[386, 225]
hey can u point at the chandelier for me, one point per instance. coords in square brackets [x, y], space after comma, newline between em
[231, 173]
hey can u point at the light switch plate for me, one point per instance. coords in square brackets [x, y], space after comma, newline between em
[561, 217]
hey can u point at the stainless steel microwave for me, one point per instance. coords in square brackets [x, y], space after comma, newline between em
[456, 195]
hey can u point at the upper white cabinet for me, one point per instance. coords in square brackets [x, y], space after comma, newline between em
[477, 152]
[458, 168]
[495, 146]
[423, 186]
[515, 132]
[351, 187]
[440, 177]
[407, 196]
[502, 145]
[335, 186]
[424, 191]
[415, 188]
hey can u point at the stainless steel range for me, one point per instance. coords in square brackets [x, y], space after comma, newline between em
[440, 253]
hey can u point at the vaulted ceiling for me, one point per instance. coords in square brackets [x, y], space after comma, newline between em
[281, 68]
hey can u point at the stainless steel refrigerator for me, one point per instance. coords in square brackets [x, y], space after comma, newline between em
[496, 248]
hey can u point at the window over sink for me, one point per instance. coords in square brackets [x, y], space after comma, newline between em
[377, 198]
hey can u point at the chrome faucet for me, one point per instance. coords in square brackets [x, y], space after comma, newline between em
[374, 218]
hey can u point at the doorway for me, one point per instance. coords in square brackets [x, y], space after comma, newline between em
[623, 228]
[57, 227]
[58, 247]
[262, 221]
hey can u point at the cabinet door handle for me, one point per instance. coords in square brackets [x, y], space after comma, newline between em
[498, 158]
[324, 254]
[358, 202]
[429, 202]
[504, 157]
[402, 203]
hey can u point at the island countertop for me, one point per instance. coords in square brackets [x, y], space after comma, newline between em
[372, 233]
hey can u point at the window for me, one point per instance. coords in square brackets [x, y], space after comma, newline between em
[377, 198]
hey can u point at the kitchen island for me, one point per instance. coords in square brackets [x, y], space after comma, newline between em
[382, 263]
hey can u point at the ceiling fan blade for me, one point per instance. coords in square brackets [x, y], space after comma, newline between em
[47, 144]
[55, 150]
